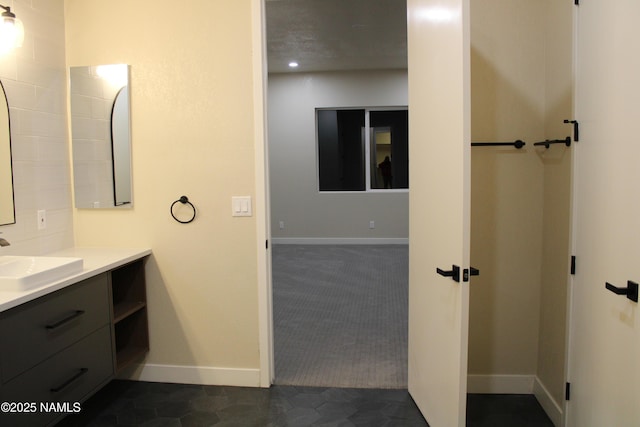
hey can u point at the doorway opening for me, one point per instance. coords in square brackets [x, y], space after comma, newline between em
[339, 307]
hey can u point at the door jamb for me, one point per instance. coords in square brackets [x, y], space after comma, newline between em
[261, 208]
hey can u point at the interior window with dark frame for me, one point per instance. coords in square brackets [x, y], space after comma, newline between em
[361, 149]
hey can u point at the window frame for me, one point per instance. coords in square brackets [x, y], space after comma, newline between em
[367, 150]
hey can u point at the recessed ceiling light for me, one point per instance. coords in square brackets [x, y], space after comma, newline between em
[293, 64]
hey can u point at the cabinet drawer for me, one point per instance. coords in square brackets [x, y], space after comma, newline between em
[68, 376]
[51, 323]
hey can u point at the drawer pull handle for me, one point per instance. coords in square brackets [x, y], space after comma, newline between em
[68, 382]
[67, 319]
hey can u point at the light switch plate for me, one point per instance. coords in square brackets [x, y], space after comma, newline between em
[241, 206]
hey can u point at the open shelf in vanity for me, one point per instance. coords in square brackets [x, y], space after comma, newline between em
[129, 314]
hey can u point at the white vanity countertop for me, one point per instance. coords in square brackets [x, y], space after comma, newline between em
[95, 261]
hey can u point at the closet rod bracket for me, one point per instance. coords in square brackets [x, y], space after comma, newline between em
[576, 129]
[547, 143]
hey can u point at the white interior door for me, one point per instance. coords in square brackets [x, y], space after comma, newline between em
[439, 131]
[604, 361]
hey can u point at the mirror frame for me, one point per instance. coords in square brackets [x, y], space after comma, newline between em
[121, 148]
[102, 168]
[7, 216]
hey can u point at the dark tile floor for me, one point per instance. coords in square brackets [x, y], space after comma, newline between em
[505, 410]
[130, 403]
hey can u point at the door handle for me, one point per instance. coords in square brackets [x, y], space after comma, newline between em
[631, 291]
[472, 271]
[454, 273]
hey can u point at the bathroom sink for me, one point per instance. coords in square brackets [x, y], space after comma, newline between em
[19, 273]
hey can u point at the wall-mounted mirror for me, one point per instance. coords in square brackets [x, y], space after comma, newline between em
[7, 207]
[101, 137]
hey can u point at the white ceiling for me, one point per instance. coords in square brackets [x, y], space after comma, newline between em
[329, 35]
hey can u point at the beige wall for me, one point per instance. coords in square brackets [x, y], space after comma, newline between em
[192, 134]
[507, 92]
[521, 89]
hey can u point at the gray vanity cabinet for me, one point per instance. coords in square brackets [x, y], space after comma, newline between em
[41, 328]
[61, 348]
[66, 378]
[57, 348]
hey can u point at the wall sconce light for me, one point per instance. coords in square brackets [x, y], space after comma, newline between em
[117, 75]
[11, 30]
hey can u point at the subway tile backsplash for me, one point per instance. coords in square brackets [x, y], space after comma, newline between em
[35, 80]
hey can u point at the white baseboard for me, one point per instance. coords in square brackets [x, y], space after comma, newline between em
[340, 241]
[500, 384]
[194, 375]
[548, 403]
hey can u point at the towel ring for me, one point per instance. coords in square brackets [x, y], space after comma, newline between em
[185, 201]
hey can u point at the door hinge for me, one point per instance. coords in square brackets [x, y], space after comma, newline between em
[573, 264]
[266, 243]
[567, 391]
[576, 2]
[576, 125]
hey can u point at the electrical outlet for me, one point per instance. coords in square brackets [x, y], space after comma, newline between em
[281, 225]
[42, 219]
[372, 224]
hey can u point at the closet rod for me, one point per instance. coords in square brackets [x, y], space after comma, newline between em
[518, 144]
[547, 143]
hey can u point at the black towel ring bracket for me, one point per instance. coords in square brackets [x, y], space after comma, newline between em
[185, 201]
